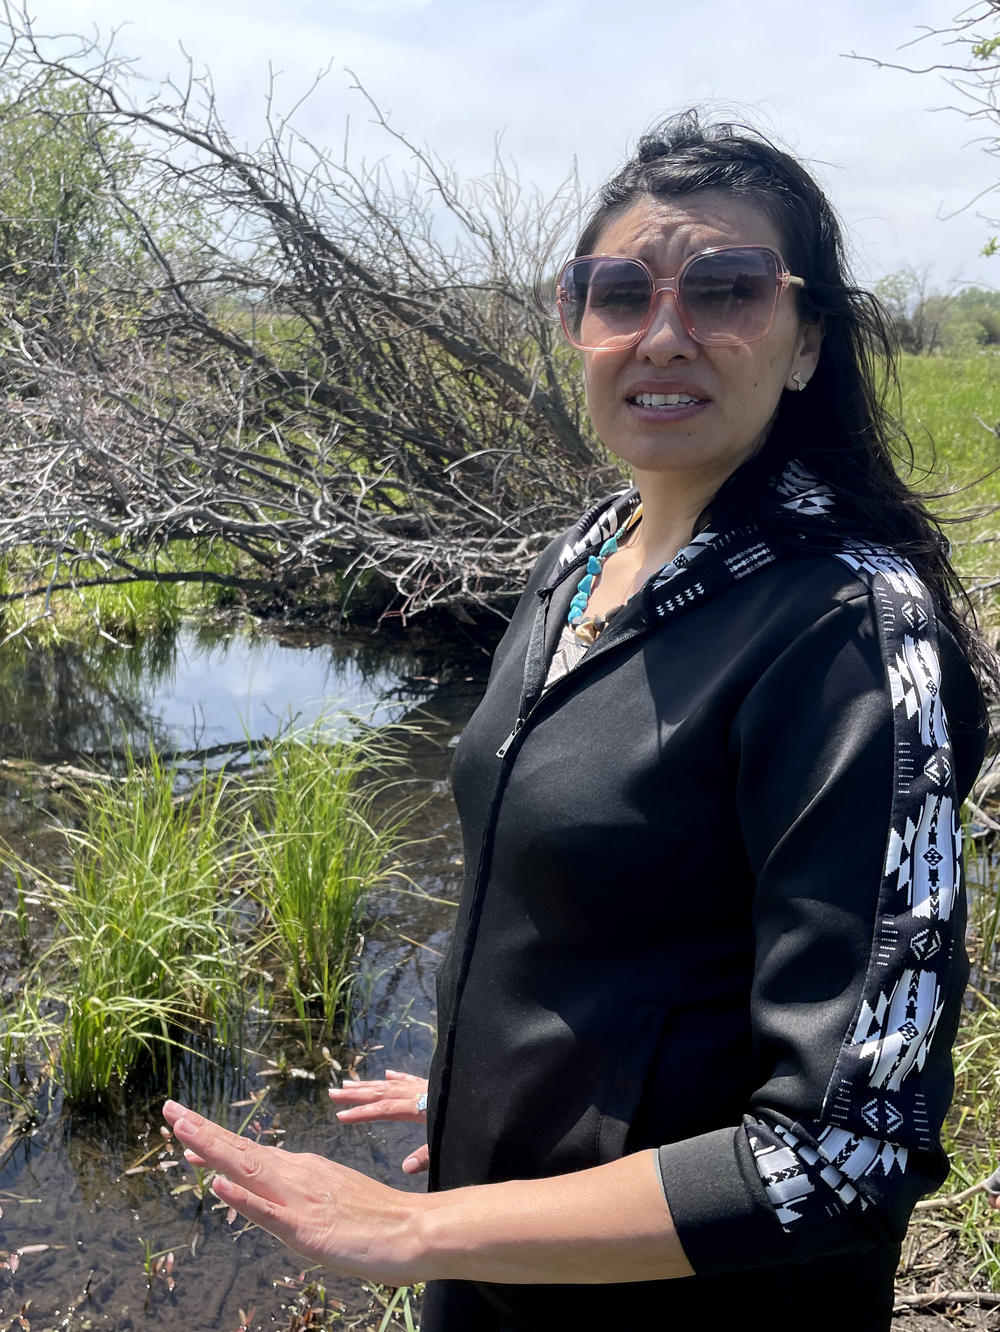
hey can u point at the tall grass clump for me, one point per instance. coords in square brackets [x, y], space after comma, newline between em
[172, 896]
[320, 841]
[141, 954]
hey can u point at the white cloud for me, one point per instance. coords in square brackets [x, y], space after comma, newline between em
[565, 79]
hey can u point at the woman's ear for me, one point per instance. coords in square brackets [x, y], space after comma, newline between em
[806, 355]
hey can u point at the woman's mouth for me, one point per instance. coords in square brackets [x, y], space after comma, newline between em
[664, 400]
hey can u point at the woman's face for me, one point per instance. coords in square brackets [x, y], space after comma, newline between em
[728, 396]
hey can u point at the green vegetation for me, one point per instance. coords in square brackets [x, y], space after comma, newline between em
[193, 581]
[140, 953]
[314, 857]
[56, 217]
[174, 897]
[398, 1310]
[927, 321]
[951, 411]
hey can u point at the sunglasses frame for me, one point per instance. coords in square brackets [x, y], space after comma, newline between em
[783, 279]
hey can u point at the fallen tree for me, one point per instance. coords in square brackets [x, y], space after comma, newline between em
[280, 355]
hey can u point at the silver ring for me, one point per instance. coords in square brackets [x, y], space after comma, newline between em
[422, 1103]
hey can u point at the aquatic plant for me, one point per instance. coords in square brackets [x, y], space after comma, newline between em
[176, 886]
[141, 952]
[319, 841]
[398, 1305]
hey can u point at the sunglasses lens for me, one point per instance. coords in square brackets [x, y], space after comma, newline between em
[604, 302]
[729, 297]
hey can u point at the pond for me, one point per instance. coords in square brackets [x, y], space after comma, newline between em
[95, 1203]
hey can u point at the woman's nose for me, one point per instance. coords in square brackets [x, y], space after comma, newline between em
[665, 336]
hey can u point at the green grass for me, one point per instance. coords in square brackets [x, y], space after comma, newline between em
[946, 400]
[140, 954]
[174, 897]
[951, 411]
[126, 611]
[316, 852]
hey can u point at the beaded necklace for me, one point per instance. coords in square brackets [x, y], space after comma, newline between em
[588, 628]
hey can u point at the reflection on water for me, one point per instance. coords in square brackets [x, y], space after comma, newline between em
[66, 1184]
[194, 690]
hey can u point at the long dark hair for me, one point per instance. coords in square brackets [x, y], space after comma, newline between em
[840, 428]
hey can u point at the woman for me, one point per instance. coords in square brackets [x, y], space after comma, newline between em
[695, 1022]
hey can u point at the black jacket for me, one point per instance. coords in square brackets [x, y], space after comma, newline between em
[713, 905]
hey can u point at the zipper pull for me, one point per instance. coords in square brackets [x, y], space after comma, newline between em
[502, 751]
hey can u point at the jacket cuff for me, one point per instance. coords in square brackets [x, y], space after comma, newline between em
[717, 1201]
[725, 1220]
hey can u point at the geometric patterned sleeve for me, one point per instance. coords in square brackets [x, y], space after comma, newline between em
[832, 1159]
[876, 1109]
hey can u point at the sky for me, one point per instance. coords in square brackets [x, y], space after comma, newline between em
[569, 83]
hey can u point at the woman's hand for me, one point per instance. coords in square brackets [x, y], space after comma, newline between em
[608, 1223]
[396, 1098]
[323, 1211]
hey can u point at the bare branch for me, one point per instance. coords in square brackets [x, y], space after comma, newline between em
[289, 354]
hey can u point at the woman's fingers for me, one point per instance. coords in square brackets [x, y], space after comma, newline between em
[399, 1112]
[243, 1161]
[418, 1161]
[394, 1098]
[358, 1093]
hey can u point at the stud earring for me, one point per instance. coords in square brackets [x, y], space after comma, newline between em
[798, 381]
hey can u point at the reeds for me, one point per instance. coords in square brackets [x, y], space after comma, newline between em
[140, 953]
[316, 850]
[175, 899]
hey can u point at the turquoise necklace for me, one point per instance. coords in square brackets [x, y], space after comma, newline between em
[587, 628]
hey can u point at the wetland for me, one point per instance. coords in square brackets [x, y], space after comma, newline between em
[103, 1224]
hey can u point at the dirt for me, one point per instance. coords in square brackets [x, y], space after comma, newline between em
[933, 1265]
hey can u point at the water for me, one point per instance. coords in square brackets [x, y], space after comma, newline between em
[196, 690]
[107, 1195]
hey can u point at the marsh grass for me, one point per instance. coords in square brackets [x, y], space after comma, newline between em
[141, 953]
[178, 889]
[127, 611]
[321, 838]
[957, 1244]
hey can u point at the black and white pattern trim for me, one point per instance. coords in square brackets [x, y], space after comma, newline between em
[874, 1108]
[804, 493]
[597, 526]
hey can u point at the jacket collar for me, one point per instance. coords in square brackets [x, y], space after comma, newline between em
[713, 559]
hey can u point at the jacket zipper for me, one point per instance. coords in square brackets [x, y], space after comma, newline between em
[533, 694]
[502, 751]
[607, 641]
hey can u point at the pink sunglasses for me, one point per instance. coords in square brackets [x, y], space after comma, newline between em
[725, 296]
